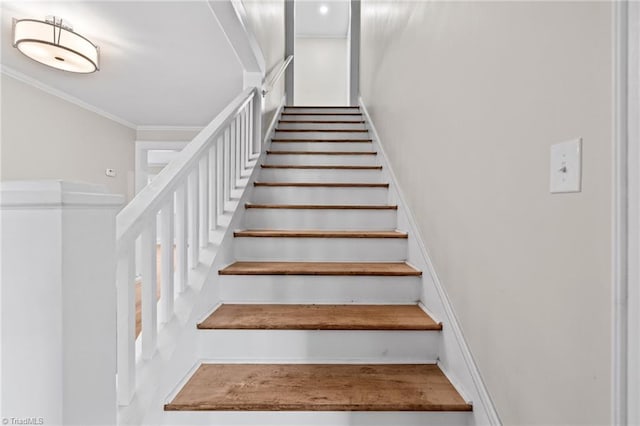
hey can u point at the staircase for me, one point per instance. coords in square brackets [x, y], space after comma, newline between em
[319, 312]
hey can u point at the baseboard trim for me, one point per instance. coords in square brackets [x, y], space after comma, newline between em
[451, 320]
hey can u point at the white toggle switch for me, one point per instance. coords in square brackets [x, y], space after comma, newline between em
[566, 166]
[110, 172]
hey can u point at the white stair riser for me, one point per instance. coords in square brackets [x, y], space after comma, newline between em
[321, 146]
[322, 135]
[320, 175]
[319, 195]
[318, 289]
[318, 346]
[350, 219]
[337, 117]
[322, 160]
[320, 249]
[321, 126]
[323, 110]
[316, 418]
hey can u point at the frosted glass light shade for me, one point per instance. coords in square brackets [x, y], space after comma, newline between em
[55, 45]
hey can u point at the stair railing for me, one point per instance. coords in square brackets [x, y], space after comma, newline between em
[268, 86]
[186, 197]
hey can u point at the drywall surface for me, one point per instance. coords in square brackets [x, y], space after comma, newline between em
[46, 137]
[468, 97]
[266, 19]
[321, 71]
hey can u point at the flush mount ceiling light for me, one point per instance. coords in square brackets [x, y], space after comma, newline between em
[324, 9]
[52, 42]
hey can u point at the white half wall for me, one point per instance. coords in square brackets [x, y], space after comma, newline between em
[467, 98]
[321, 71]
[46, 137]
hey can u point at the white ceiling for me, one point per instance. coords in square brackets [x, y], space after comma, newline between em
[311, 23]
[162, 62]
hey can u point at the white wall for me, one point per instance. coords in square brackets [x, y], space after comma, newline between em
[58, 318]
[468, 97]
[46, 137]
[266, 19]
[321, 71]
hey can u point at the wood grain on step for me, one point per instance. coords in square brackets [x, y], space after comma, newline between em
[321, 152]
[321, 268]
[319, 317]
[321, 106]
[318, 387]
[322, 167]
[320, 233]
[321, 122]
[322, 140]
[322, 206]
[321, 113]
[324, 130]
[324, 184]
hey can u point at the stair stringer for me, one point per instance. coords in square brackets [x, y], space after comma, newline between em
[177, 353]
[455, 357]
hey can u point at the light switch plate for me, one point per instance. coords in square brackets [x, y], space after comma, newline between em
[566, 167]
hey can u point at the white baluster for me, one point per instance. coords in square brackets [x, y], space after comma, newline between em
[213, 186]
[149, 288]
[238, 150]
[166, 277]
[126, 320]
[247, 144]
[243, 137]
[249, 129]
[220, 175]
[227, 166]
[247, 153]
[181, 238]
[232, 156]
[192, 204]
[256, 120]
[252, 144]
[203, 185]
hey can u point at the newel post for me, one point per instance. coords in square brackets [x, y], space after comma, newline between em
[58, 302]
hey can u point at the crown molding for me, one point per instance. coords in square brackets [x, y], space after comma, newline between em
[160, 128]
[17, 75]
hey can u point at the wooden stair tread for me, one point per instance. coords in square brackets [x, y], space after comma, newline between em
[319, 317]
[322, 206]
[320, 167]
[321, 106]
[324, 130]
[323, 140]
[294, 233]
[318, 387]
[322, 121]
[325, 184]
[321, 152]
[321, 268]
[322, 113]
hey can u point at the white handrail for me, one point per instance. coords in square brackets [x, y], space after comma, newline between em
[146, 201]
[266, 88]
[179, 209]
